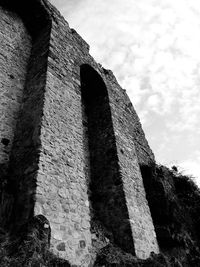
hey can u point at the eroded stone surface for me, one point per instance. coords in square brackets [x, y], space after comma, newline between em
[15, 46]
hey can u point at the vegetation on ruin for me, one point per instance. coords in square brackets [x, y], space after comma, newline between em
[174, 201]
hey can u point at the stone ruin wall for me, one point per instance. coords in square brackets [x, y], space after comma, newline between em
[66, 151]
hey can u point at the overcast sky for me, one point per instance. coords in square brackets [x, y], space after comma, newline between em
[153, 48]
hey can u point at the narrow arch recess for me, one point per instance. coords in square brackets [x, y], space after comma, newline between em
[27, 30]
[107, 198]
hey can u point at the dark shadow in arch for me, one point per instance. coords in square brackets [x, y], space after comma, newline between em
[23, 166]
[107, 198]
[33, 13]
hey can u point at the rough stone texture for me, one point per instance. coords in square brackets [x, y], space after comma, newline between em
[78, 145]
[127, 118]
[14, 54]
[124, 117]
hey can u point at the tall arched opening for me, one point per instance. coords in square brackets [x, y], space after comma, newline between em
[107, 197]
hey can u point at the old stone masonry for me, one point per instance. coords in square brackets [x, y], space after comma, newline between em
[69, 137]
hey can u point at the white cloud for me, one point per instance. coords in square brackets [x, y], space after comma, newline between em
[154, 103]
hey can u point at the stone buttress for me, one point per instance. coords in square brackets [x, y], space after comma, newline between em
[70, 137]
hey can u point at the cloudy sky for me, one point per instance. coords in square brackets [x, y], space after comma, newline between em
[153, 48]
